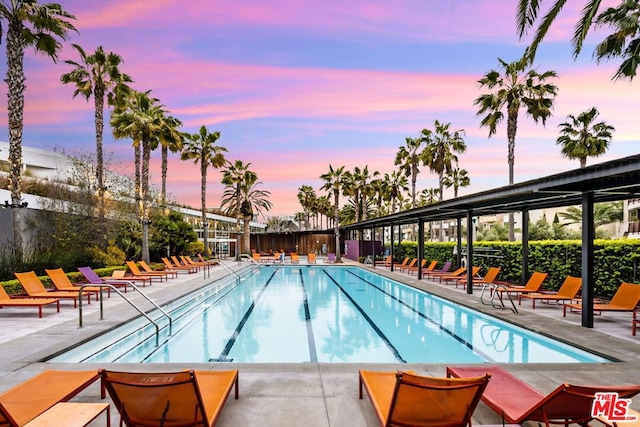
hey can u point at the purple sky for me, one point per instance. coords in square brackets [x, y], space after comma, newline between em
[296, 85]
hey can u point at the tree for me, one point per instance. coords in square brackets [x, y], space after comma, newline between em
[409, 157]
[170, 140]
[41, 26]
[441, 146]
[142, 120]
[333, 182]
[98, 75]
[518, 86]
[236, 175]
[306, 196]
[456, 178]
[623, 19]
[580, 137]
[603, 213]
[252, 202]
[397, 184]
[201, 148]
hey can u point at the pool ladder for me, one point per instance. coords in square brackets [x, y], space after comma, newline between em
[116, 290]
[499, 303]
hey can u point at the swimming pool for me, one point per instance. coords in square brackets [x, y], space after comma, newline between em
[323, 314]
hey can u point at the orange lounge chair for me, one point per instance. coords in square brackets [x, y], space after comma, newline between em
[184, 263]
[61, 282]
[208, 261]
[147, 269]
[122, 275]
[186, 398]
[387, 262]
[7, 301]
[414, 269]
[295, 258]
[444, 270]
[35, 289]
[185, 268]
[27, 400]
[135, 272]
[406, 399]
[398, 267]
[533, 285]
[455, 273]
[517, 402]
[490, 277]
[408, 267]
[190, 262]
[626, 298]
[567, 292]
[311, 258]
[256, 256]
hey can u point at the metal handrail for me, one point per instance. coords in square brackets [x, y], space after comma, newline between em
[226, 267]
[110, 286]
[494, 288]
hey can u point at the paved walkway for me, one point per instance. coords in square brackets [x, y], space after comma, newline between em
[312, 394]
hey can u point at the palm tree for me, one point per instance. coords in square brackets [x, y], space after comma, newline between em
[397, 184]
[580, 137]
[142, 120]
[603, 213]
[98, 75]
[306, 196]
[252, 203]
[516, 87]
[456, 178]
[621, 43]
[170, 140]
[409, 157]
[333, 182]
[238, 175]
[201, 148]
[40, 26]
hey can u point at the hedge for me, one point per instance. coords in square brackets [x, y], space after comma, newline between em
[615, 261]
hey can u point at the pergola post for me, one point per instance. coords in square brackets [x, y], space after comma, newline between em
[525, 247]
[420, 246]
[469, 251]
[588, 234]
[393, 254]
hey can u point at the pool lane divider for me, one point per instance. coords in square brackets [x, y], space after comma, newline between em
[428, 319]
[381, 334]
[232, 340]
[313, 356]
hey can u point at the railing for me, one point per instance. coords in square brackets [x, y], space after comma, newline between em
[495, 289]
[116, 290]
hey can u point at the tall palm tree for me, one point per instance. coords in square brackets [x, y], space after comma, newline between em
[397, 184]
[333, 182]
[26, 23]
[442, 144]
[252, 203]
[410, 157]
[98, 75]
[238, 175]
[623, 19]
[142, 120]
[517, 86]
[580, 137]
[170, 140]
[306, 196]
[201, 148]
[456, 178]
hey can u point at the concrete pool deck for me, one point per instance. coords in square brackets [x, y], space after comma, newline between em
[311, 394]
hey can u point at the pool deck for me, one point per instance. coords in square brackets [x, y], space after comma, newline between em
[311, 394]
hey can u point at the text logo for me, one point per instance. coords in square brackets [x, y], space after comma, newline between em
[611, 408]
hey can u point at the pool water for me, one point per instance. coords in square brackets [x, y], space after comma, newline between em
[330, 314]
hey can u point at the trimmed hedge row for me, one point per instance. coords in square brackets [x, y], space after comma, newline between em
[615, 261]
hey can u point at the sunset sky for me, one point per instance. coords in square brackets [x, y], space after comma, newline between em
[296, 85]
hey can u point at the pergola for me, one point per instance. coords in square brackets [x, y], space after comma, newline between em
[609, 181]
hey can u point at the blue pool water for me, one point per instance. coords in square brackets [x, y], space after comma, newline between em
[323, 314]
